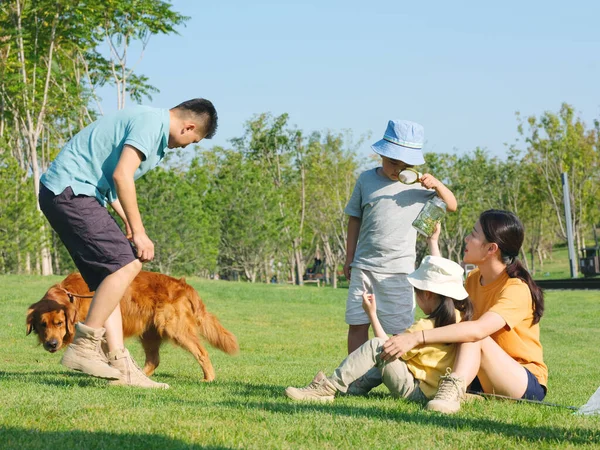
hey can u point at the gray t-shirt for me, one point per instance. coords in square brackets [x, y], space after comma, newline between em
[387, 208]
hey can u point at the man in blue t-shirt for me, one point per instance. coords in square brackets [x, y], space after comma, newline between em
[99, 165]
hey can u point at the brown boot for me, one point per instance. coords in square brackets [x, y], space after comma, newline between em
[131, 374]
[451, 393]
[85, 353]
[320, 390]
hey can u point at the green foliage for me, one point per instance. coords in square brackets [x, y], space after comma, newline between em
[20, 221]
[178, 216]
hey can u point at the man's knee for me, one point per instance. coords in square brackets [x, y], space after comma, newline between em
[132, 269]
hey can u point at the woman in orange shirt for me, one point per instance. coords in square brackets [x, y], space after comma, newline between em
[500, 351]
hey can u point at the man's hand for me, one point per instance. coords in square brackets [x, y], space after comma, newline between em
[398, 345]
[144, 247]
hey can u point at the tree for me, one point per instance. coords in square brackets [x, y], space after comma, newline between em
[332, 164]
[560, 143]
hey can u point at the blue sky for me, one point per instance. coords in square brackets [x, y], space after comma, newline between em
[461, 69]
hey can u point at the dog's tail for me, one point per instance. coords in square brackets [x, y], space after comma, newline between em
[210, 327]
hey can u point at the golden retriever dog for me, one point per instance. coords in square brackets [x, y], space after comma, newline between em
[155, 307]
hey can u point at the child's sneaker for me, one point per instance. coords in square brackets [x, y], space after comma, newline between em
[451, 392]
[320, 389]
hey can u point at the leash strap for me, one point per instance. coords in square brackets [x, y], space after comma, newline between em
[72, 296]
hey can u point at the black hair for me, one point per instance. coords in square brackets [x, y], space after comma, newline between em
[204, 109]
[444, 314]
[506, 230]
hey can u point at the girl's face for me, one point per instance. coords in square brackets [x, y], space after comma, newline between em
[476, 248]
[427, 301]
[391, 167]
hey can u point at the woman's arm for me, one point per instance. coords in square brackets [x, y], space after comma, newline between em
[470, 331]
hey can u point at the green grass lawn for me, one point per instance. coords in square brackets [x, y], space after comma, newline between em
[286, 335]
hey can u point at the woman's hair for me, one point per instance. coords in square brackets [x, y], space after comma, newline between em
[506, 230]
[444, 314]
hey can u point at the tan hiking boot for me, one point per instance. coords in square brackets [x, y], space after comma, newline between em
[85, 353]
[451, 392]
[320, 390]
[130, 373]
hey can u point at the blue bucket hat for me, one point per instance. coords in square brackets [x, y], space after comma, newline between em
[403, 141]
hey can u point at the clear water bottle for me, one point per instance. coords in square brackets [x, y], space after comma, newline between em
[431, 214]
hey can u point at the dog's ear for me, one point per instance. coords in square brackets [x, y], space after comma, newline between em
[30, 326]
[70, 317]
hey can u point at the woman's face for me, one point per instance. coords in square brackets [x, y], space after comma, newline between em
[476, 248]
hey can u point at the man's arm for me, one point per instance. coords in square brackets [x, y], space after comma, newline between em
[128, 163]
[116, 206]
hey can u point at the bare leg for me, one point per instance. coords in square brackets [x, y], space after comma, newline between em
[497, 371]
[357, 336]
[114, 330]
[108, 295]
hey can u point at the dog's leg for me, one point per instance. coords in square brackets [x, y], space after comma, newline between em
[188, 340]
[151, 341]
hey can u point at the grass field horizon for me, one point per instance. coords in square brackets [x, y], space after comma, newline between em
[286, 334]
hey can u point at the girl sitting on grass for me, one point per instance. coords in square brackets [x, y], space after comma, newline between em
[440, 294]
[501, 351]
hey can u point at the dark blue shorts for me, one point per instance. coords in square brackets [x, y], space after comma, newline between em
[88, 231]
[534, 391]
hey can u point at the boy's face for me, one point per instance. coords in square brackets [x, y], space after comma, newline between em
[392, 167]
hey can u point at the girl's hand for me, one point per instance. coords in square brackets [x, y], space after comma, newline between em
[435, 237]
[398, 345]
[428, 181]
[369, 304]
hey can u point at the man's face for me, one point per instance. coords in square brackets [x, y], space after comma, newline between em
[391, 167]
[185, 136]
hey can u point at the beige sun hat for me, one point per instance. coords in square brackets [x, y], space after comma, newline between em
[439, 275]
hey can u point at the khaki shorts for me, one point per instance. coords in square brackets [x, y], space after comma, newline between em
[394, 296]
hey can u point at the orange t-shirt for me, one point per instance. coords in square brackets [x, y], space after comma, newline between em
[511, 299]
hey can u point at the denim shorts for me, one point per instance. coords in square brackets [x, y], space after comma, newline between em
[88, 231]
[534, 391]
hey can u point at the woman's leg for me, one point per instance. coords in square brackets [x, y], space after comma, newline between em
[496, 370]
[498, 373]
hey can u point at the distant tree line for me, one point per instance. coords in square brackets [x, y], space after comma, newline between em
[268, 205]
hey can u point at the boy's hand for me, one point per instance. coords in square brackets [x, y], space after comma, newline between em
[369, 304]
[347, 270]
[428, 181]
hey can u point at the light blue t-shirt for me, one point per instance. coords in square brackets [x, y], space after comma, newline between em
[387, 239]
[87, 162]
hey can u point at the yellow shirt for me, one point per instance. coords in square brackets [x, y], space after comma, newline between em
[510, 298]
[428, 362]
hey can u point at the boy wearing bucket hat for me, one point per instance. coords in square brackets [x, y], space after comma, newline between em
[415, 376]
[381, 242]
